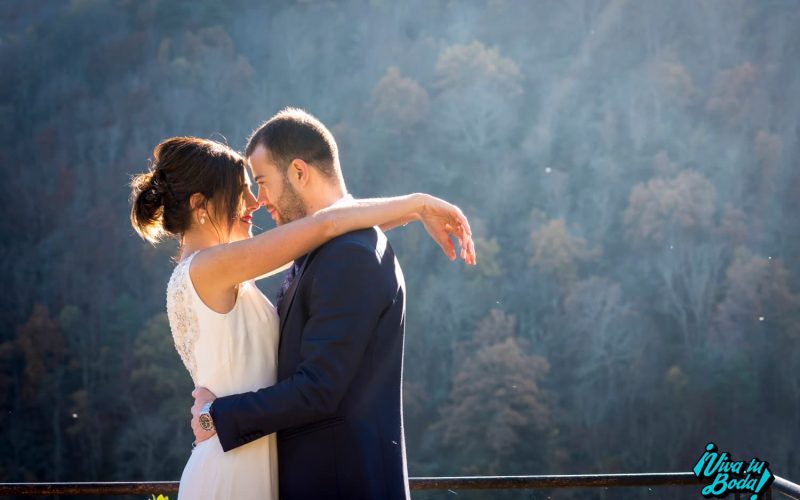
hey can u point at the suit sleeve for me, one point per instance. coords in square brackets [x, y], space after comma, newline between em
[345, 304]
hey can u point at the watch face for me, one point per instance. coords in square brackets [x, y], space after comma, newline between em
[205, 422]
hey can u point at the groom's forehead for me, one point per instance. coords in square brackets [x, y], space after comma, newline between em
[261, 163]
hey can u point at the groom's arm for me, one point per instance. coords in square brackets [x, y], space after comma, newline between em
[348, 294]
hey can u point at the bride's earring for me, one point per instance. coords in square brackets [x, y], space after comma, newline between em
[202, 219]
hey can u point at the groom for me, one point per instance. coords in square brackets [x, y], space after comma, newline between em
[337, 405]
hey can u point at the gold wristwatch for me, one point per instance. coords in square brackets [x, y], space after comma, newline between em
[206, 422]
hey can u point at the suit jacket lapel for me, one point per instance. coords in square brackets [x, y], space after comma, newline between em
[288, 297]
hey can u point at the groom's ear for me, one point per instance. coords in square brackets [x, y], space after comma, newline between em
[299, 172]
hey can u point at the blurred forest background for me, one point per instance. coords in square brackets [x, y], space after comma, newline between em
[630, 169]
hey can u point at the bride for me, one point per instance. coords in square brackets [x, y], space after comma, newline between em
[225, 330]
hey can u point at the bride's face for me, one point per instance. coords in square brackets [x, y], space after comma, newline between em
[243, 224]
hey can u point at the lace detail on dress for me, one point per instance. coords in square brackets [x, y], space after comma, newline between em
[182, 316]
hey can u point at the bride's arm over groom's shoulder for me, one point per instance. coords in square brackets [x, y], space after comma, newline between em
[230, 264]
[279, 270]
[439, 218]
[388, 226]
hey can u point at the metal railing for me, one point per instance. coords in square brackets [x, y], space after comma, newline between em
[780, 485]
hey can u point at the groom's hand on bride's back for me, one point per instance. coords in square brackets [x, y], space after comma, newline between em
[201, 396]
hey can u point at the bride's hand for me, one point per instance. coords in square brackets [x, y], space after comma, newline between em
[442, 220]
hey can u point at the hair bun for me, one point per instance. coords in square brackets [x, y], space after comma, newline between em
[153, 196]
[147, 206]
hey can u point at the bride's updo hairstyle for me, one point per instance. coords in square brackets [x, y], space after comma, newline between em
[181, 167]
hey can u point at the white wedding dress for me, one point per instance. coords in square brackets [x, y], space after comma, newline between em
[229, 354]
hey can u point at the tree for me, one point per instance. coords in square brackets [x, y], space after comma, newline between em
[757, 298]
[673, 220]
[45, 360]
[497, 406]
[733, 96]
[755, 335]
[477, 91]
[158, 435]
[557, 253]
[400, 101]
[664, 210]
[760, 183]
[676, 81]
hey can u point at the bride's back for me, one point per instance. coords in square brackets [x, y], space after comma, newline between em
[228, 353]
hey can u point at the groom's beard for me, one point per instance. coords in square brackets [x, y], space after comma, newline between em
[290, 207]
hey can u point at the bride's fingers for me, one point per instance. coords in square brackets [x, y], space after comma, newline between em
[465, 239]
[460, 232]
[465, 222]
[459, 228]
[446, 244]
[451, 249]
[462, 219]
[465, 249]
[455, 214]
[451, 230]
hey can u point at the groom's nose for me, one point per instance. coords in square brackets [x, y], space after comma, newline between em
[263, 199]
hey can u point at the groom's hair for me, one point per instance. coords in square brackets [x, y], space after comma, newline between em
[294, 133]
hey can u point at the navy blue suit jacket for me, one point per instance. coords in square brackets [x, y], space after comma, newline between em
[337, 406]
